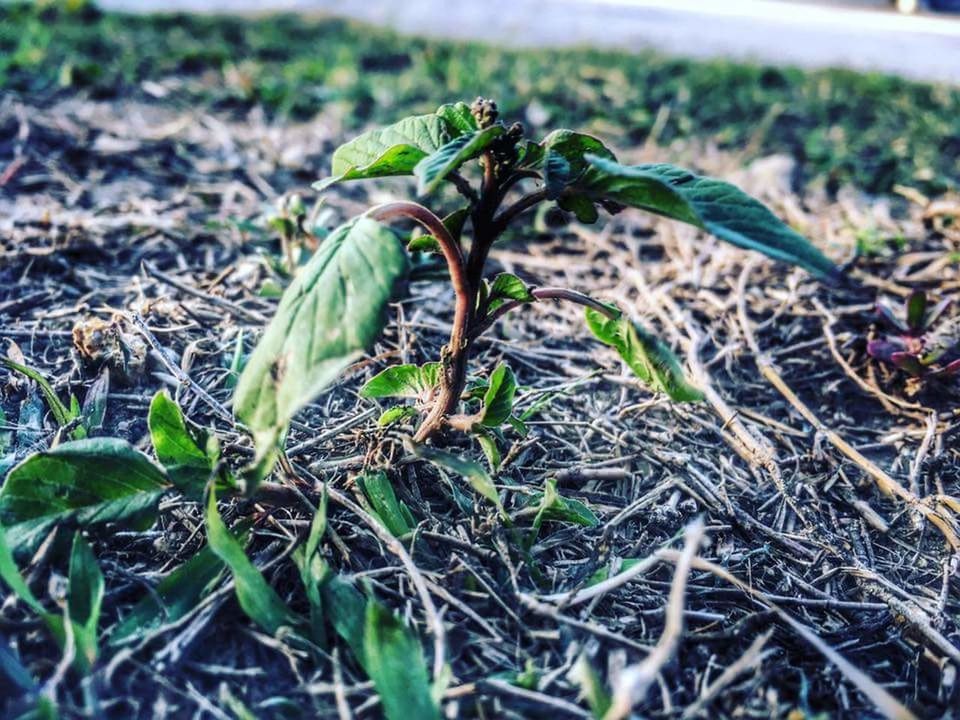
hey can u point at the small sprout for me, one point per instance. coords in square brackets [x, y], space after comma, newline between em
[921, 342]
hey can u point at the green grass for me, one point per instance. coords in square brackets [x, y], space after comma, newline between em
[875, 131]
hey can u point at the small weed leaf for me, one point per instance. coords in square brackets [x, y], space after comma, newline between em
[84, 599]
[393, 658]
[647, 356]
[458, 117]
[61, 413]
[402, 381]
[394, 515]
[393, 150]
[396, 414]
[329, 315]
[431, 170]
[83, 481]
[597, 696]
[713, 205]
[173, 598]
[507, 287]
[488, 444]
[498, 400]
[257, 599]
[188, 465]
[314, 571]
[554, 506]
[94, 408]
[473, 472]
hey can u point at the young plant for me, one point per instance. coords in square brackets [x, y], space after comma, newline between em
[335, 308]
[923, 344]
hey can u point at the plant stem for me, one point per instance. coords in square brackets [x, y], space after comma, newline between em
[454, 355]
[545, 293]
[502, 220]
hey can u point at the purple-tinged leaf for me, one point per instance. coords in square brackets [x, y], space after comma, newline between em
[882, 350]
[908, 363]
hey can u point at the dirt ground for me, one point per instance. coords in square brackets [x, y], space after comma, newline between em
[117, 209]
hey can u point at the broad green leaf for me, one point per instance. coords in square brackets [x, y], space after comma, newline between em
[403, 381]
[257, 599]
[713, 205]
[84, 599]
[458, 117]
[394, 515]
[431, 170]
[83, 481]
[646, 355]
[498, 400]
[393, 150]
[395, 663]
[507, 287]
[173, 598]
[61, 413]
[473, 472]
[396, 414]
[333, 310]
[188, 465]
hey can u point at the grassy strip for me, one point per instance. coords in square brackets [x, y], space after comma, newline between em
[872, 130]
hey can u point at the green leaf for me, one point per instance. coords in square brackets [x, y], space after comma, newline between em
[178, 450]
[257, 599]
[396, 414]
[507, 287]
[173, 598]
[556, 174]
[403, 381]
[646, 355]
[916, 310]
[713, 205]
[458, 117]
[498, 400]
[61, 413]
[395, 663]
[585, 677]
[581, 206]
[379, 491]
[84, 599]
[431, 170]
[333, 310]
[554, 506]
[10, 574]
[85, 481]
[346, 609]
[473, 472]
[314, 570]
[94, 408]
[393, 150]
[573, 147]
[488, 443]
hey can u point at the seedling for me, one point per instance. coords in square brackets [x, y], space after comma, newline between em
[335, 308]
[922, 343]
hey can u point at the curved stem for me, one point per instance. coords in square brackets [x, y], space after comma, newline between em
[502, 220]
[545, 293]
[451, 253]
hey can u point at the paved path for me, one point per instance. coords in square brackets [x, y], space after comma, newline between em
[861, 34]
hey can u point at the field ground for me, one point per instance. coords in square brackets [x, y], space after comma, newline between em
[138, 159]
